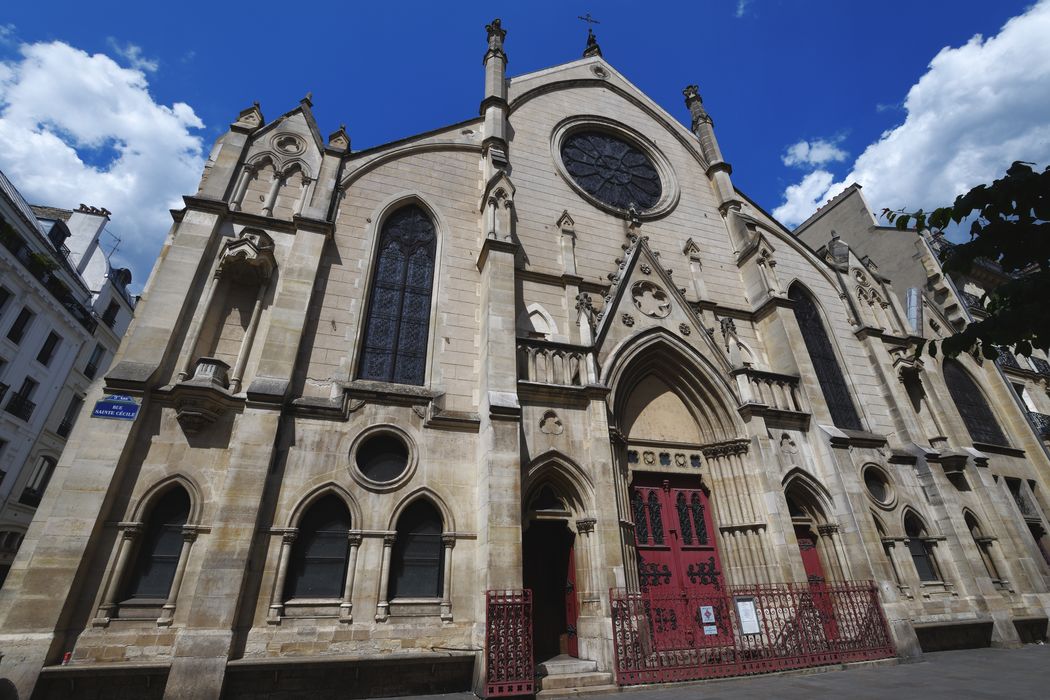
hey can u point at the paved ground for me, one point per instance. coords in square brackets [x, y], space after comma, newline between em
[977, 673]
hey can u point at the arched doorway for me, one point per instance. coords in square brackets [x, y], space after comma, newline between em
[549, 570]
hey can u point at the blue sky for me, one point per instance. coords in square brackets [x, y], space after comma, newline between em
[798, 89]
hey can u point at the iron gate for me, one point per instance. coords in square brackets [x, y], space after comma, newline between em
[661, 636]
[508, 643]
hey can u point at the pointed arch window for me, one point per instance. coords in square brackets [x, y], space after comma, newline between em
[394, 348]
[920, 548]
[417, 562]
[976, 414]
[319, 557]
[825, 363]
[984, 546]
[161, 545]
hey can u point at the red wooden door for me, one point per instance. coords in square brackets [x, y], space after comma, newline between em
[572, 608]
[679, 571]
[807, 547]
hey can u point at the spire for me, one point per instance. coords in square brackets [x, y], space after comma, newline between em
[496, 35]
[695, 105]
[592, 45]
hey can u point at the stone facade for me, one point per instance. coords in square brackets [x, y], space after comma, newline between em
[574, 348]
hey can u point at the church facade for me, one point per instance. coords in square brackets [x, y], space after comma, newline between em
[548, 348]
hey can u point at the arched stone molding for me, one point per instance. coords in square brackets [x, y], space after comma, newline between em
[536, 322]
[128, 544]
[372, 236]
[425, 492]
[702, 387]
[571, 479]
[316, 493]
[395, 154]
[817, 506]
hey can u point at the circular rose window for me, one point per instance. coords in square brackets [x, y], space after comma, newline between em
[382, 458]
[612, 170]
[878, 485]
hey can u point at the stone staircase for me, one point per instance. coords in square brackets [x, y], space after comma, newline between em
[565, 676]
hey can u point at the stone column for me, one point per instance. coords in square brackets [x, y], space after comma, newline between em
[125, 545]
[277, 597]
[249, 339]
[197, 325]
[585, 528]
[346, 608]
[271, 195]
[448, 541]
[189, 534]
[383, 607]
[247, 172]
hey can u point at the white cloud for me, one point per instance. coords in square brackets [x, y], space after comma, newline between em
[133, 55]
[817, 152]
[7, 34]
[741, 7]
[978, 108]
[799, 198]
[79, 128]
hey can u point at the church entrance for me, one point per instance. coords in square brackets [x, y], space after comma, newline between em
[549, 570]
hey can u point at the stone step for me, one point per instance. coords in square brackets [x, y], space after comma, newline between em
[565, 681]
[561, 665]
[554, 693]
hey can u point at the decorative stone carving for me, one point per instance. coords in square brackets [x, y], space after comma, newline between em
[695, 105]
[550, 424]
[496, 34]
[645, 269]
[249, 256]
[339, 140]
[684, 329]
[628, 320]
[585, 307]
[288, 144]
[649, 457]
[650, 299]
[787, 445]
[592, 48]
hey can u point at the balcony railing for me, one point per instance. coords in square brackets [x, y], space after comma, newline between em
[545, 362]
[42, 266]
[1007, 360]
[20, 406]
[65, 427]
[778, 391]
[31, 497]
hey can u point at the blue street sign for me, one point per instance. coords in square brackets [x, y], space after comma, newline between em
[116, 407]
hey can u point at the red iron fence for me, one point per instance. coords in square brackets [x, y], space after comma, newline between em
[683, 635]
[508, 644]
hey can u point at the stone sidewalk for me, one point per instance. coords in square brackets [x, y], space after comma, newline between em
[975, 673]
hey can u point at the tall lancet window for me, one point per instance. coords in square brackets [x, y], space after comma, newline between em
[829, 374]
[975, 412]
[398, 324]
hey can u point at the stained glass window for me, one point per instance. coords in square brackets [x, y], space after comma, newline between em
[317, 568]
[919, 548]
[417, 560]
[398, 325]
[611, 170]
[975, 412]
[160, 547]
[825, 364]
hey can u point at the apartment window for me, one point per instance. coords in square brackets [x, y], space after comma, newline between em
[34, 489]
[47, 350]
[70, 416]
[91, 369]
[5, 294]
[18, 328]
[110, 316]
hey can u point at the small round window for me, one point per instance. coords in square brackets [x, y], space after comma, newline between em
[382, 458]
[877, 485]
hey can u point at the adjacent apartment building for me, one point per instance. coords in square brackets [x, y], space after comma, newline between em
[63, 311]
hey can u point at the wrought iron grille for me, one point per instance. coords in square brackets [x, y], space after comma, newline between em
[825, 363]
[977, 416]
[508, 643]
[611, 170]
[395, 338]
[796, 625]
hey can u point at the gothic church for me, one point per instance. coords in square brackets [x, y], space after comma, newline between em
[537, 394]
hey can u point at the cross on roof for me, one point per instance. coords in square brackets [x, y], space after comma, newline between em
[588, 19]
